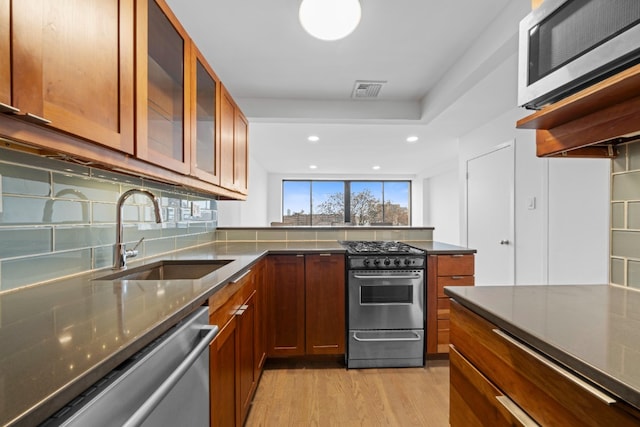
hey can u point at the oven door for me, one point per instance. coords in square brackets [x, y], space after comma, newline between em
[386, 299]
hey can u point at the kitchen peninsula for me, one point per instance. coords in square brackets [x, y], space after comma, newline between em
[61, 337]
[564, 355]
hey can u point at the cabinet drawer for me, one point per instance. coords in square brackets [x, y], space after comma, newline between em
[453, 281]
[549, 393]
[224, 303]
[443, 308]
[458, 264]
[475, 401]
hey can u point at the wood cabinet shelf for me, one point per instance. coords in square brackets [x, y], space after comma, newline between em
[590, 122]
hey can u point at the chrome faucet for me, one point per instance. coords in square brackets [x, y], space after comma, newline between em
[120, 252]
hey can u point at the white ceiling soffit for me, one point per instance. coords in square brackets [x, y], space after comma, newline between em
[431, 54]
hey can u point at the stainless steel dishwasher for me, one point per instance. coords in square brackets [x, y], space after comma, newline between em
[166, 384]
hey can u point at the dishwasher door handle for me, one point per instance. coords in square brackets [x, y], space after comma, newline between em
[150, 404]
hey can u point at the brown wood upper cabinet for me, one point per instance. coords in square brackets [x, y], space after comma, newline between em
[5, 55]
[71, 67]
[205, 141]
[162, 98]
[234, 130]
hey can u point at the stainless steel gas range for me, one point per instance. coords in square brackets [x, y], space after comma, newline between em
[385, 304]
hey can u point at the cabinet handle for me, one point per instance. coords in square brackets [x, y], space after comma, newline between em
[29, 117]
[325, 254]
[6, 108]
[239, 278]
[300, 255]
[456, 277]
[457, 255]
[560, 370]
[517, 413]
[240, 311]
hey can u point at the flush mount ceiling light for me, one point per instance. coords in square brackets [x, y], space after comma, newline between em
[412, 139]
[376, 167]
[313, 138]
[313, 167]
[329, 19]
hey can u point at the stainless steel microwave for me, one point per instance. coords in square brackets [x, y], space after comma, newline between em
[567, 45]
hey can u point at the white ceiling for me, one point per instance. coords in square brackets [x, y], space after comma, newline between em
[291, 85]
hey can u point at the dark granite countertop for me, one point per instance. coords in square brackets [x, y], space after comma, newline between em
[438, 248]
[594, 330]
[59, 338]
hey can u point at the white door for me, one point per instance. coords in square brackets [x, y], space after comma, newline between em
[490, 215]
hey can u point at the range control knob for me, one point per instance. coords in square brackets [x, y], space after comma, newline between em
[387, 261]
[407, 261]
[376, 261]
[366, 262]
[396, 261]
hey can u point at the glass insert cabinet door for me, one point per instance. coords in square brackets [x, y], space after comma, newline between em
[163, 64]
[205, 158]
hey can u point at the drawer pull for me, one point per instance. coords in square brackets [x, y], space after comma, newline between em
[239, 278]
[517, 413]
[457, 255]
[36, 119]
[560, 370]
[240, 311]
[6, 108]
[457, 277]
[325, 254]
[300, 255]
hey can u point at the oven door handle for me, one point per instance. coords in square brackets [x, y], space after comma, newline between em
[416, 337]
[389, 276]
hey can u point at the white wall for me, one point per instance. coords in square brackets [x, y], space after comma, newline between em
[579, 196]
[443, 206]
[565, 238]
[253, 211]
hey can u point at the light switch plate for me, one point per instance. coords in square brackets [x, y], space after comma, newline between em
[531, 203]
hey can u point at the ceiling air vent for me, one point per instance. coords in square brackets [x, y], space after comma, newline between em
[366, 89]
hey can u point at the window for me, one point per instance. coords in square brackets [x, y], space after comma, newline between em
[337, 202]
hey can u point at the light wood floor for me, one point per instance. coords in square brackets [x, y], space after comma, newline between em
[324, 393]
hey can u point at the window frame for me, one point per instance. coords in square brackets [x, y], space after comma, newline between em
[347, 197]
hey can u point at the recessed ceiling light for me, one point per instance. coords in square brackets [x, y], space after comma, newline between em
[376, 167]
[313, 167]
[313, 138]
[412, 139]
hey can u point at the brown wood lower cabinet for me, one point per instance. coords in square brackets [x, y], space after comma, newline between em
[222, 360]
[444, 270]
[285, 304]
[325, 309]
[496, 380]
[234, 371]
[306, 304]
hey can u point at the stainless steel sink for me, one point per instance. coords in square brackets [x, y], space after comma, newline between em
[169, 270]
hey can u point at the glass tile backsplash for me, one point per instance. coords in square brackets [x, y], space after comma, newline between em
[62, 216]
[625, 216]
